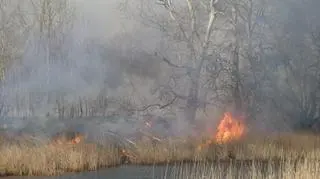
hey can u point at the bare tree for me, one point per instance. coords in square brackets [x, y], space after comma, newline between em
[13, 32]
[53, 23]
[296, 86]
[247, 19]
[54, 20]
[188, 27]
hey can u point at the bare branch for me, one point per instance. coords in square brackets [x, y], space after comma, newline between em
[157, 105]
[212, 17]
[171, 64]
[193, 16]
[168, 62]
[167, 4]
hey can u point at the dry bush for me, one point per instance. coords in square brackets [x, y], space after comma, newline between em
[164, 152]
[54, 160]
[278, 147]
[284, 152]
[305, 169]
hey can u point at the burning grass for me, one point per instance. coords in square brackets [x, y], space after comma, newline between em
[255, 169]
[54, 160]
[230, 147]
[290, 151]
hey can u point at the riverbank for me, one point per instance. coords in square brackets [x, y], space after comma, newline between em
[286, 150]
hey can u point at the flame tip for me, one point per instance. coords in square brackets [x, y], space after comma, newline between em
[229, 129]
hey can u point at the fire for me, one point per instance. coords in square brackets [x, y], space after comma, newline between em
[76, 140]
[148, 124]
[126, 156]
[61, 138]
[229, 129]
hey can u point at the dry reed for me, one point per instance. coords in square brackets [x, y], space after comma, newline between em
[282, 156]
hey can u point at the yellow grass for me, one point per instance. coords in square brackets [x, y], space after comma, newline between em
[53, 160]
[286, 155]
[254, 169]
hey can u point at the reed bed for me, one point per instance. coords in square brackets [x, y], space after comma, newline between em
[278, 156]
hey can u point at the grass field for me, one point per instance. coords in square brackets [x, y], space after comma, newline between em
[255, 169]
[278, 156]
[287, 156]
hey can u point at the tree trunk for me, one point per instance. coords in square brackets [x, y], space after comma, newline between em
[235, 74]
[192, 100]
[236, 79]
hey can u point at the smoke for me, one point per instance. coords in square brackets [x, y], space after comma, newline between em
[83, 57]
[80, 72]
[91, 56]
[67, 65]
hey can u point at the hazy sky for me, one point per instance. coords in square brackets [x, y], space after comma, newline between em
[104, 17]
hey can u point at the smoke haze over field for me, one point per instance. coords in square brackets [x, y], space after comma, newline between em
[75, 58]
[77, 65]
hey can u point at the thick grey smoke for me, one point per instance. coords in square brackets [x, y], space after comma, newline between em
[72, 67]
[82, 60]
[80, 73]
[102, 49]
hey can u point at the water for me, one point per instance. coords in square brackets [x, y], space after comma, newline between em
[221, 170]
[123, 172]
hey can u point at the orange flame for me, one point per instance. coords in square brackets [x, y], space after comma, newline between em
[62, 139]
[148, 124]
[76, 140]
[125, 153]
[229, 129]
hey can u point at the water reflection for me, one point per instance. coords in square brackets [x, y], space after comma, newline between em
[123, 172]
[221, 170]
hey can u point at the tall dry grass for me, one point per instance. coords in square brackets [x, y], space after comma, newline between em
[281, 156]
[274, 147]
[284, 156]
[30, 158]
[253, 169]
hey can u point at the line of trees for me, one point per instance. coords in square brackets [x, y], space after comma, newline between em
[257, 57]
[260, 57]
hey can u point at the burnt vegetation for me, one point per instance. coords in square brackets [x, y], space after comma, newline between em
[159, 86]
[245, 56]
